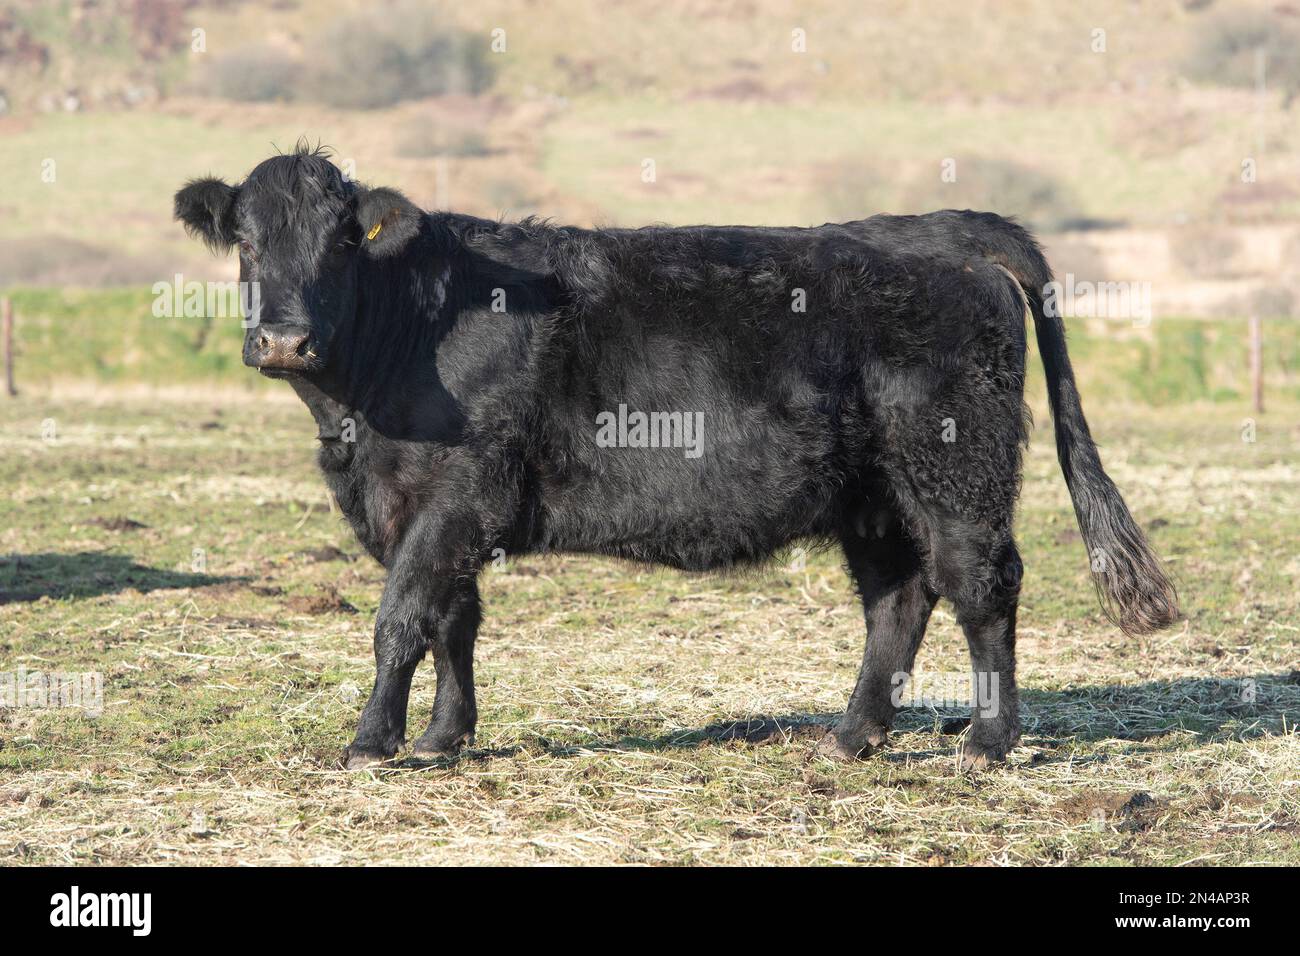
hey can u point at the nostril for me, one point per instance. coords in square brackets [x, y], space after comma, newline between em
[284, 348]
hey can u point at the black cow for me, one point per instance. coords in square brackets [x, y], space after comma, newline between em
[697, 397]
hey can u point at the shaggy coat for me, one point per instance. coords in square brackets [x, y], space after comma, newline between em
[696, 397]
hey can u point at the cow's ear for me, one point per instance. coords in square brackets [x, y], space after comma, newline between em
[388, 220]
[207, 209]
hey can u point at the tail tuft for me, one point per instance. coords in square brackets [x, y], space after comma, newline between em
[1134, 589]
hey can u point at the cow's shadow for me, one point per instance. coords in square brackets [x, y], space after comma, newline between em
[1211, 709]
[30, 577]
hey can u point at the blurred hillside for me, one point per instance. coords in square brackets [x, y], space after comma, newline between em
[1117, 128]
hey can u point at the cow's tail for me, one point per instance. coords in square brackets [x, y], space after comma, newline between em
[1134, 589]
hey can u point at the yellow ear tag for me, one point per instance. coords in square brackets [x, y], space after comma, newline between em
[374, 232]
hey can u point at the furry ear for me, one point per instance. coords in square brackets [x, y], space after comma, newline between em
[207, 207]
[388, 220]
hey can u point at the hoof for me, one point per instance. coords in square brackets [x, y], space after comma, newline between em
[357, 759]
[435, 748]
[977, 756]
[833, 748]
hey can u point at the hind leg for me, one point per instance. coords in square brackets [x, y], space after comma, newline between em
[995, 718]
[979, 571]
[887, 570]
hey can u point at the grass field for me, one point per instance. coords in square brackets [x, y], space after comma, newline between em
[179, 543]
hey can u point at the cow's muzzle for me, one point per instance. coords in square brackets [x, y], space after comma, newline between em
[280, 350]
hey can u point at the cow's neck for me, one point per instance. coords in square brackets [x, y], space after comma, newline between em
[408, 305]
[400, 318]
[334, 418]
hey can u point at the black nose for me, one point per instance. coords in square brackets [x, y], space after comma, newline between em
[287, 349]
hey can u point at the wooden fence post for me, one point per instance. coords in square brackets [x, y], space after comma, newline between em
[7, 333]
[1257, 361]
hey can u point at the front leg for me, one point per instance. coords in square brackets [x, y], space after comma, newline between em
[428, 603]
[399, 646]
[454, 710]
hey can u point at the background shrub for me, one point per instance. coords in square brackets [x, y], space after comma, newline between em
[427, 138]
[1003, 186]
[258, 73]
[1204, 251]
[360, 62]
[404, 56]
[1225, 52]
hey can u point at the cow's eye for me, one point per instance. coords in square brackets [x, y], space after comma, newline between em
[246, 248]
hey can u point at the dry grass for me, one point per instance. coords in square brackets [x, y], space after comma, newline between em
[627, 716]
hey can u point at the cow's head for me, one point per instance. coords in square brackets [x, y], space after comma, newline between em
[304, 231]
